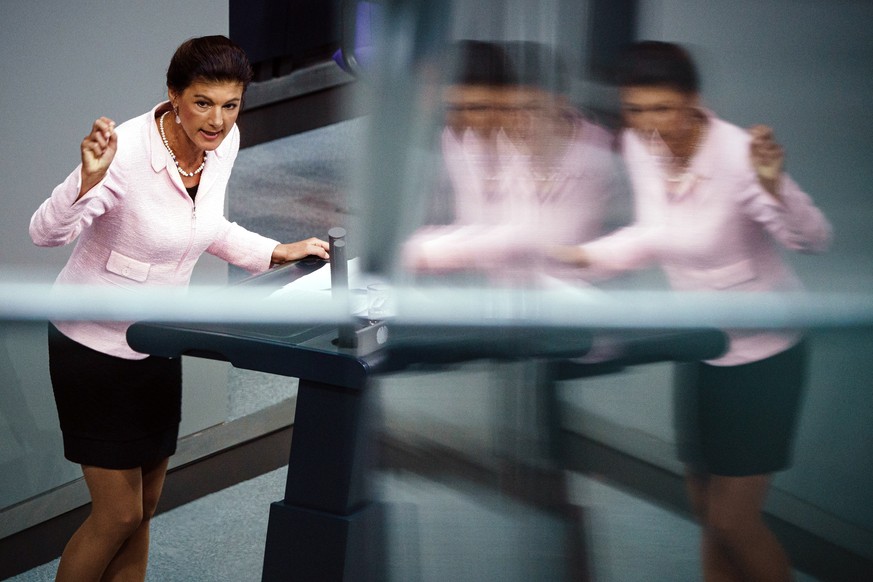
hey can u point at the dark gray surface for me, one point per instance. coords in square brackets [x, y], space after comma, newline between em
[296, 187]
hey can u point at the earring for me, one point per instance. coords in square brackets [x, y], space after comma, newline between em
[176, 111]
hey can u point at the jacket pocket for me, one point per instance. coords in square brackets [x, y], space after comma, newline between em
[127, 267]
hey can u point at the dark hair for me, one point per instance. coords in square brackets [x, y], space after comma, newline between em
[476, 62]
[653, 63]
[538, 65]
[208, 58]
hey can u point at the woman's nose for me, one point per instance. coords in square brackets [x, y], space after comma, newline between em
[215, 118]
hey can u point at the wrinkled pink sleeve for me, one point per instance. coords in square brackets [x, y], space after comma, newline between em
[794, 220]
[243, 248]
[60, 218]
[628, 248]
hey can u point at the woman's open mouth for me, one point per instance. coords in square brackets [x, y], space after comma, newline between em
[210, 135]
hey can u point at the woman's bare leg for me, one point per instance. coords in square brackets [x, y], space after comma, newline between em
[116, 513]
[717, 566]
[737, 541]
[129, 564]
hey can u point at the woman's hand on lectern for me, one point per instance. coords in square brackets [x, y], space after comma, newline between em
[284, 253]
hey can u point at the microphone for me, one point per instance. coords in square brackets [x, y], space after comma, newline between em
[339, 283]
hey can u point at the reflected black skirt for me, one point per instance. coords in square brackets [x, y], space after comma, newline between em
[739, 420]
[114, 413]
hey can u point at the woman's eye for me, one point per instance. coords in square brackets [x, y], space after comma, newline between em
[231, 106]
[202, 104]
[657, 110]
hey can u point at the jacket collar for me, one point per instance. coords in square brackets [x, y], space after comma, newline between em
[703, 164]
[157, 152]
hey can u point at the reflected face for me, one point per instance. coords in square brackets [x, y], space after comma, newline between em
[527, 111]
[475, 106]
[208, 111]
[666, 110]
[520, 111]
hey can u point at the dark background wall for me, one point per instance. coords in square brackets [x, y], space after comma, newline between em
[282, 35]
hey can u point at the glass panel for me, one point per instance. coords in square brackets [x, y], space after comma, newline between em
[31, 454]
[471, 177]
[432, 139]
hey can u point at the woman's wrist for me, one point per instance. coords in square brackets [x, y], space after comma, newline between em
[88, 182]
[571, 255]
[771, 185]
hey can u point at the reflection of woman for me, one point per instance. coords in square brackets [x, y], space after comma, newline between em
[712, 206]
[145, 203]
[526, 169]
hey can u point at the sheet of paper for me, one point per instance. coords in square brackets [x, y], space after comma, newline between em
[318, 282]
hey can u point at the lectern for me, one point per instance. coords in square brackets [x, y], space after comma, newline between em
[326, 528]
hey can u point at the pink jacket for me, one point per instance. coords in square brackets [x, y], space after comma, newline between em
[507, 207]
[139, 227]
[720, 233]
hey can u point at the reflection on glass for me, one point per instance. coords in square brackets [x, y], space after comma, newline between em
[524, 169]
[712, 204]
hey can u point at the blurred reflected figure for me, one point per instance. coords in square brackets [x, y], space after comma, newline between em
[526, 169]
[712, 207]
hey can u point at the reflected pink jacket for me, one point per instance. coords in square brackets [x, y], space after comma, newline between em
[721, 233]
[506, 211]
[139, 227]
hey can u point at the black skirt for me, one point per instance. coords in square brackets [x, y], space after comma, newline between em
[739, 420]
[114, 413]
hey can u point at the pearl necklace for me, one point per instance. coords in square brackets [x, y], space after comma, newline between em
[173, 155]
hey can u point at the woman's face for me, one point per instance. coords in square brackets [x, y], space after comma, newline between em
[526, 112]
[665, 110]
[473, 106]
[208, 111]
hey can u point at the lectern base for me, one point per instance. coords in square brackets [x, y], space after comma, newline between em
[308, 545]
